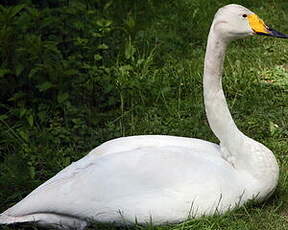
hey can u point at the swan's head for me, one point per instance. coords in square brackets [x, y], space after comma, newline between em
[235, 21]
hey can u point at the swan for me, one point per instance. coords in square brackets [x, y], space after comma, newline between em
[164, 179]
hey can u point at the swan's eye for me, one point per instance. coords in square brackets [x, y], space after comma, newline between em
[244, 15]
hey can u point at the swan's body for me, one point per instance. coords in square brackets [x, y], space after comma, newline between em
[183, 177]
[162, 178]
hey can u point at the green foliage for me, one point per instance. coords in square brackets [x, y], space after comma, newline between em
[55, 73]
[74, 74]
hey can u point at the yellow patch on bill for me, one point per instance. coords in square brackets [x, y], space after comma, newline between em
[257, 24]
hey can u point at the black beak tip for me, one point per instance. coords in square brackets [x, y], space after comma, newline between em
[274, 33]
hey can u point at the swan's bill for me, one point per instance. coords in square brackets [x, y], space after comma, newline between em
[259, 27]
[273, 33]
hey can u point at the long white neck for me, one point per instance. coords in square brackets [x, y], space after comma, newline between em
[218, 114]
[248, 155]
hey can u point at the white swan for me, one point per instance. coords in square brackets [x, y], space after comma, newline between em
[165, 178]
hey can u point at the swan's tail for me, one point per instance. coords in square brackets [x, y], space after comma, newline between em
[45, 219]
[4, 219]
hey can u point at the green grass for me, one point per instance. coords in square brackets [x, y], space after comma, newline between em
[161, 93]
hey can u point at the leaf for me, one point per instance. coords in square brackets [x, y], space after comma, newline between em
[274, 128]
[76, 121]
[42, 116]
[62, 97]
[107, 5]
[22, 112]
[17, 96]
[125, 69]
[32, 172]
[24, 135]
[3, 72]
[103, 22]
[3, 117]
[71, 72]
[67, 161]
[129, 50]
[81, 41]
[45, 86]
[36, 70]
[130, 22]
[103, 47]
[97, 57]
[19, 69]
[96, 35]
[15, 10]
[30, 119]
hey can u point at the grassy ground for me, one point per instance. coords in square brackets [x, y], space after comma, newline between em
[256, 87]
